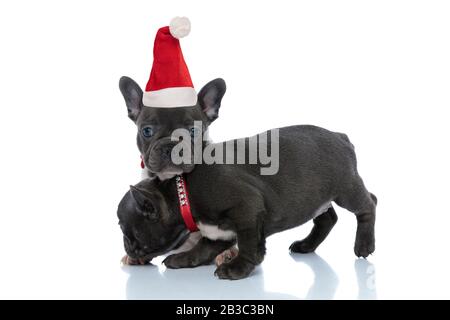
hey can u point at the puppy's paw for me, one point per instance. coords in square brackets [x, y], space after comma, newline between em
[364, 247]
[302, 246]
[236, 269]
[127, 260]
[227, 256]
[181, 260]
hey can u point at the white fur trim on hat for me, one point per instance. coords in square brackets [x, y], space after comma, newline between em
[170, 97]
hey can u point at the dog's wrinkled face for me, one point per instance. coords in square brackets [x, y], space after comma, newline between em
[156, 125]
[149, 228]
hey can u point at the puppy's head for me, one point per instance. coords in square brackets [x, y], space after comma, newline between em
[149, 227]
[156, 125]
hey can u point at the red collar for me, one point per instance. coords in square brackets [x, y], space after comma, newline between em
[185, 207]
[183, 200]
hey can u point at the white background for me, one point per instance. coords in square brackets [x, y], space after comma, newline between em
[376, 70]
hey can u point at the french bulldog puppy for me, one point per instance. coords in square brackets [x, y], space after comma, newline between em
[235, 203]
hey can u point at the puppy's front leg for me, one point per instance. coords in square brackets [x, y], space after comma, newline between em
[204, 252]
[251, 243]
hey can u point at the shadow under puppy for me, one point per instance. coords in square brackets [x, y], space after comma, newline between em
[235, 203]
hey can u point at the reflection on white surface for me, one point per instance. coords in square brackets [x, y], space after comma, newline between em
[365, 274]
[197, 283]
[325, 279]
[150, 282]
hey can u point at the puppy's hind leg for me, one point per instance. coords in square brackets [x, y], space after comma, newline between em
[322, 227]
[363, 204]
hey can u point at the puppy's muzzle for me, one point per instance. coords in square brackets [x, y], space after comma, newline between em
[165, 152]
[131, 247]
[159, 157]
[134, 251]
[159, 154]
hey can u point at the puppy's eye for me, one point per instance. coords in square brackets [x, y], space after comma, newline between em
[194, 132]
[147, 132]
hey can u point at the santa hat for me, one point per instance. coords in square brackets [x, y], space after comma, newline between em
[170, 84]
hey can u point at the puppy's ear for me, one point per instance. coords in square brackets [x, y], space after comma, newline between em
[210, 98]
[144, 201]
[140, 196]
[132, 94]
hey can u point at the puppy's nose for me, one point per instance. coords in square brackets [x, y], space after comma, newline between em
[166, 152]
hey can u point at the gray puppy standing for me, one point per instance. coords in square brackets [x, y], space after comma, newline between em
[234, 203]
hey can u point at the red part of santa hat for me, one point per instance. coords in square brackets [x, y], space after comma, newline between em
[170, 83]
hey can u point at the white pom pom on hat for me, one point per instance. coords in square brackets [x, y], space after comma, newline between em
[180, 27]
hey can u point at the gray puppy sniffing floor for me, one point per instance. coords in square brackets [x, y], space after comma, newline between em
[234, 203]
